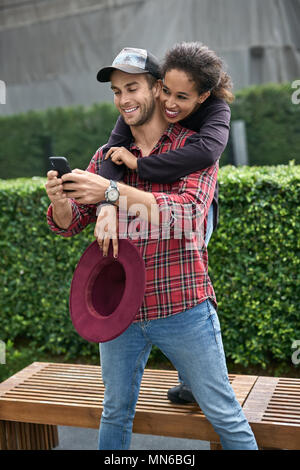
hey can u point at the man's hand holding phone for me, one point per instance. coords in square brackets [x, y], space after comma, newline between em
[61, 207]
[54, 185]
[62, 211]
[85, 187]
[54, 188]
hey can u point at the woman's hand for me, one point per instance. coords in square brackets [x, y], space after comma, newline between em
[120, 155]
[106, 229]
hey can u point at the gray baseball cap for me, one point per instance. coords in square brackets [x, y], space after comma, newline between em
[131, 60]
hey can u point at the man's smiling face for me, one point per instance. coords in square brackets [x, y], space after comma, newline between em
[133, 98]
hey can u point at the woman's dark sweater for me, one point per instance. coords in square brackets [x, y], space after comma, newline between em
[211, 123]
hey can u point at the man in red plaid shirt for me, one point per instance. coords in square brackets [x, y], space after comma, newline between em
[182, 276]
[179, 310]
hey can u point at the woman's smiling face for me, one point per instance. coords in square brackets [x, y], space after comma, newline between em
[179, 97]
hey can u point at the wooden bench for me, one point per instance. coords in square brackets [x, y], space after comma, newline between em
[42, 396]
[273, 410]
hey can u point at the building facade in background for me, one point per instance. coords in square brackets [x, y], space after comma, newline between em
[51, 50]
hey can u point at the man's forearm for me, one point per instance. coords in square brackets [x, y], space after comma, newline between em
[145, 199]
[62, 214]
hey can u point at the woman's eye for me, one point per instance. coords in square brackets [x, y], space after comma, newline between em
[182, 97]
[133, 89]
[165, 91]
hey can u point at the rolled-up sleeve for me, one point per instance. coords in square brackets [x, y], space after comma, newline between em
[82, 215]
[189, 207]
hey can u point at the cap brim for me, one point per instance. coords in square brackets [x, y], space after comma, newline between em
[104, 74]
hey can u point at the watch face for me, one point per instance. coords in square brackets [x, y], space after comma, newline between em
[113, 195]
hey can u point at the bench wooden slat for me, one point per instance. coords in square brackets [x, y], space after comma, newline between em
[143, 404]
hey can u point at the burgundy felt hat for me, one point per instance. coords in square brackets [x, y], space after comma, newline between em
[107, 292]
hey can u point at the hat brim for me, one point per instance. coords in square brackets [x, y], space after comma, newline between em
[90, 323]
[104, 74]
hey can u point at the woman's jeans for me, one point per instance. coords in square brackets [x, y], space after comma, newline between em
[210, 224]
[192, 342]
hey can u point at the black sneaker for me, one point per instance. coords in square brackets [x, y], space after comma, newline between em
[181, 395]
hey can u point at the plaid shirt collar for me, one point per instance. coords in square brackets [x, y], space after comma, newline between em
[171, 134]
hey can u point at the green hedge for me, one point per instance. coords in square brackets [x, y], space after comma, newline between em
[26, 140]
[253, 258]
[272, 123]
[255, 264]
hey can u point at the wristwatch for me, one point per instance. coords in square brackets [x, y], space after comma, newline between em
[112, 193]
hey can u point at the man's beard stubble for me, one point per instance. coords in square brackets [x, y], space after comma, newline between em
[146, 114]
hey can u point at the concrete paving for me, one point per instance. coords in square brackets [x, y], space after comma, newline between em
[87, 439]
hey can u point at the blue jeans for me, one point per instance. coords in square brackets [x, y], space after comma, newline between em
[192, 342]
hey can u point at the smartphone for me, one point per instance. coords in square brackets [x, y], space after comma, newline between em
[61, 165]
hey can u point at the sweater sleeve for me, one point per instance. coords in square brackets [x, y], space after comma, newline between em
[120, 137]
[187, 210]
[201, 151]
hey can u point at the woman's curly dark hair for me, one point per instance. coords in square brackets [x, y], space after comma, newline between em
[203, 66]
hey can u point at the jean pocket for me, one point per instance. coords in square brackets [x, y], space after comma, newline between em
[216, 323]
[199, 314]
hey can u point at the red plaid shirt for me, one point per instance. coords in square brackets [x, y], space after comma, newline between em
[175, 257]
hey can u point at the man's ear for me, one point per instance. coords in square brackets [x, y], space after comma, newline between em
[157, 88]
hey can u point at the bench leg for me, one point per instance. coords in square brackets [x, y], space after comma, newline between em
[27, 436]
